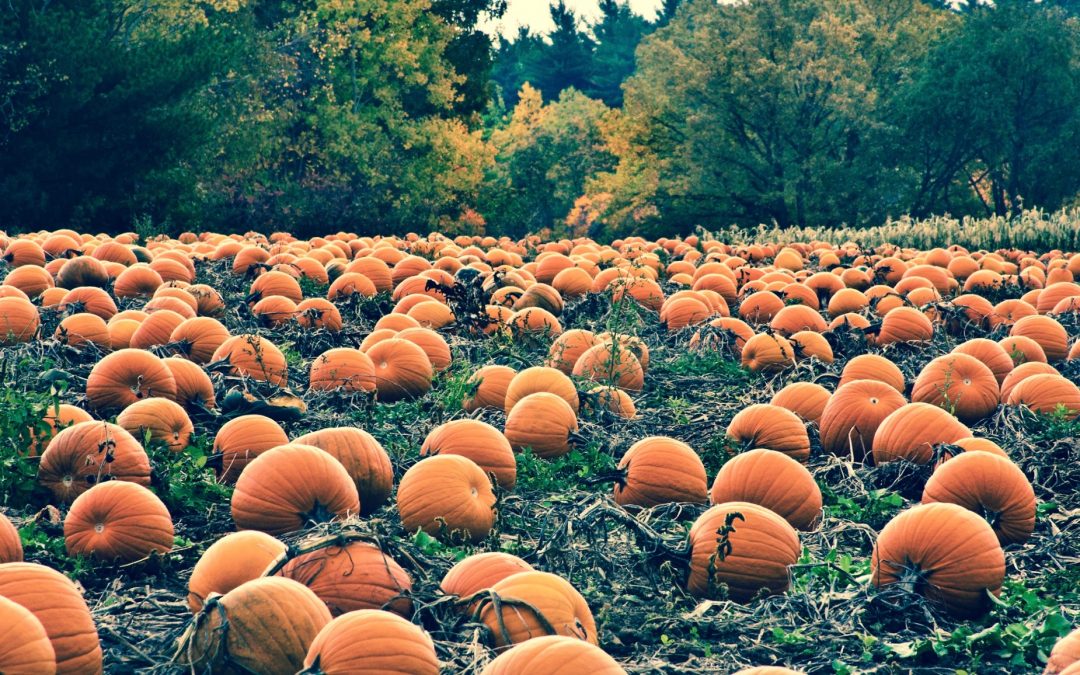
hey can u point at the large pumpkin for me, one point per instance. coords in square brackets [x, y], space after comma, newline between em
[363, 457]
[352, 576]
[990, 354]
[199, 337]
[262, 626]
[342, 369]
[554, 654]
[372, 641]
[763, 425]
[660, 470]
[230, 561]
[57, 603]
[542, 422]
[480, 572]
[989, 485]
[24, 645]
[287, 487]
[89, 453]
[742, 546]
[480, 442]
[1047, 393]
[244, 438]
[402, 370]
[487, 387]
[447, 496]
[767, 353]
[533, 604]
[904, 324]
[959, 383]
[773, 480]
[255, 357]
[164, 420]
[1020, 373]
[942, 551]
[126, 376]
[118, 521]
[853, 414]
[541, 379]
[913, 431]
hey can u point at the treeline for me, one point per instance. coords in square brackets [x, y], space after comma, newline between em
[398, 115]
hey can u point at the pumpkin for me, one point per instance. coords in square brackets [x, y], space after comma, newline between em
[568, 347]
[959, 383]
[342, 369]
[553, 654]
[873, 367]
[372, 641]
[944, 552]
[402, 370]
[433, 344]
[1022, 349]
[542, 422]
[797, 319]
[743, 546]
[318, 313]
[24, 644]
[904, 324]
[352, 575]
[82, 271]
[156, 329]
[287, 487]
[480, 572]
[1020, 373]
[987, 484]
[32, 281]
[242, 439]
[612, 399]
[773, 480]
[58, 605]
[363, 457]
[19, 321]
[541, 379]
[533, 604]
[126, 376]
[193, 386]
[91, 300]
[1046, 332]
[139, 280]
[57, 417]
[767, 353]
[275, 284]
[88, 453]
[811, 345]
[255, 357]
[482, 443]
[163, 419]
[534, 322]
[447, 496]
[78, 330]
[396, 323]
[199, 337]
[11, 549]
[1065, 654]
[608, 364]
[769, 426]
[990, 354]
[118, 521]
[264, 626]
[851, 417]
[913, 431]
[805, 399]
[760, 307]
[1047, 393]
[24, 252]
[660, 470]
[230, 561]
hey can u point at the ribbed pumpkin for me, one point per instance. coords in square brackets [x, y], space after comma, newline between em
[543, 423]
[200, 337]
[58, 417]
[488, 386]
[372, 641]
[363, 457]
[811, 345]
[1047, 332]
[805, 399]
[342, 369]
[193, 386]
[990, 354]
[541, 379]
[78, 330]
[987, 484]
[942, 551]
[255, 357]
[11, 549]
[1020, 373]
[24, 645]
[481, 571]
[58, 604]
[242, 439]
[568, 347]
[33, 281]
[853, 414]
[767, 353]
[904, 324]
[660, 470]
[318, 313]
[773, 480]
[264, 626]
[873, 367]
[156, 329]
[357, 575]
[163, 419]
[118, 521]
[402, 370]
[447, 496]
[796, 319]
[230, 561]
[743, 546]
[1065, 654]
[679, 312]
[529, 601]
[1022, 349]
[769, 426]
[91, 300]
[1047, 393]
[433, 344]
[912, 432]
[482, 443]
[760, 307]
[287, 487]
[554, 654]
[88, 453]
[960, 384]
[126, 376]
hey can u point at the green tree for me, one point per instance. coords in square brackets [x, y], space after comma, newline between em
[616, 36]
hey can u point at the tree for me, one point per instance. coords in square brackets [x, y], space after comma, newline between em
[616, 36]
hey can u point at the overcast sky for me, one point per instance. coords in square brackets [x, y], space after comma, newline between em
[535, 14]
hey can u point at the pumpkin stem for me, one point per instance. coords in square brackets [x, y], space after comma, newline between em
[318, 514]
[911, 578]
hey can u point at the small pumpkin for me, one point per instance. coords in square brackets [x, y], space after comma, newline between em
[607, 364]
[767, 353]
[805, 399]
[541, 379]
[488, 386]
[19, 321]
[960, 384]
[447, 496]
[342, 369]
[255, 357]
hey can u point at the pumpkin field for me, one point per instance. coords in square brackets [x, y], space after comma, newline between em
[805, 452]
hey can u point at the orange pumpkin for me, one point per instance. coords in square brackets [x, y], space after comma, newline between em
[78, 330]
[255, 357]
[126, 376]
[554, 653]
[942, 551]
[402, 370]
[118, 521]
[199, 337]
[88, 453]
[433, 344]
[959, 383]
[11, 549]
[480, 572]
[352, 576]
[773, 480]
[242, 439]
[193, 386]
[769, 426]
[990, 354]
[342, 369]
[363, 457]
[660, 470]
[1047, 333]
[25, 646]
[805, 399]
[767, 353]
[904, 324]
[541, 379]
[1064, 655]
[19, 321]
[1022, 372]
[372, 641]
[230, 561]
[987, 484]
[873, 367]
[912, 431]
[164, 420]
[853, 414]
[542, 422]
[488, 387]
[530, 603]
[1047, 393]
[448, 496]
[482, 443]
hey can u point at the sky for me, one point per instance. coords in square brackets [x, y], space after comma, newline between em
[535, 14]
